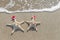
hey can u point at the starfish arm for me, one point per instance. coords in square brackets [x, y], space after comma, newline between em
[37, 23]
[21, 28]
[28, 28]
[36, 28]
[28, 22]
[9, 25]
[22, 22]
[12, 31]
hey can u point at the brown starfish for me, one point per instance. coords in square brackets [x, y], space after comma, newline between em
[15, 25]
[32, 23]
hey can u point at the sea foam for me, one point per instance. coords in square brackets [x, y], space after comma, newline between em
[52, 8]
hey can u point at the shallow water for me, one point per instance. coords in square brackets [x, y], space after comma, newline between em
[13, 6]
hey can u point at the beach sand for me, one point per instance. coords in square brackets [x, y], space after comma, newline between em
[48, 30]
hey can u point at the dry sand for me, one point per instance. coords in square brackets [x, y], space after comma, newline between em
[48, 30]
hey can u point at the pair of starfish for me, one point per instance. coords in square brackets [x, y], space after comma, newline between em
[17, 25]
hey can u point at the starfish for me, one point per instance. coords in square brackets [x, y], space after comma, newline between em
[15, 25]
[32, 24]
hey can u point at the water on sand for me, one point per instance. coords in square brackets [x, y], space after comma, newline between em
[12, 6]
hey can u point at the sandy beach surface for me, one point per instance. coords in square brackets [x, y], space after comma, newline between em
[48, 30]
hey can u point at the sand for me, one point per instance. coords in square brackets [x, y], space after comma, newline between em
[48, 30]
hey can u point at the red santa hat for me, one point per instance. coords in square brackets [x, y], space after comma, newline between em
[34, 17]
[13, 17]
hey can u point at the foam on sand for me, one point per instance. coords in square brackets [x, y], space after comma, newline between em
[53, 8]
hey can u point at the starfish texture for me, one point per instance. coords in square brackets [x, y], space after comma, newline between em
[32, 24]
[16, 26]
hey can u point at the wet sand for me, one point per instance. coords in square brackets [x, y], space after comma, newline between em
[48, 30]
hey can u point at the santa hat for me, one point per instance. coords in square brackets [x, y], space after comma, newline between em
[34, 17]
[13, 17]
